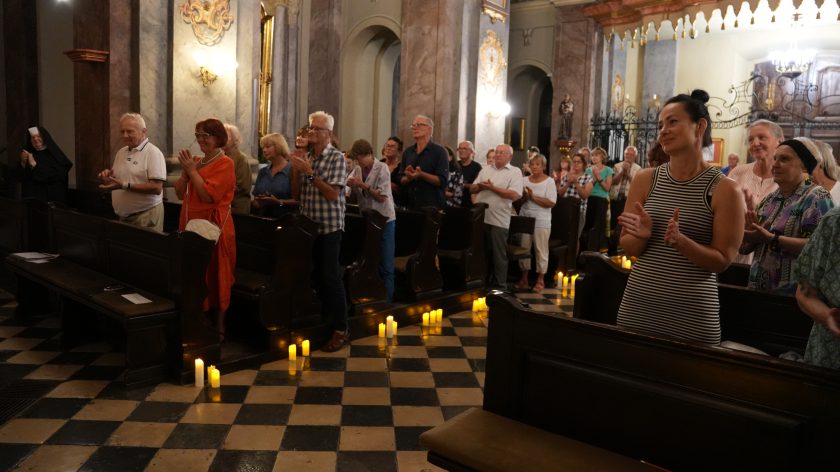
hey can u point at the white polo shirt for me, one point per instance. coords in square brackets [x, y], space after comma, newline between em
[499, 208]
[137, 166]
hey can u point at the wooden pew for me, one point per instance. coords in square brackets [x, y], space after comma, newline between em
[22, 225]
[770, 322]
[673, 404]
[416, 266]
[101, 260]
[563, 241]
[461, 252]
[273, 278]
[735, 274]
[361, 246]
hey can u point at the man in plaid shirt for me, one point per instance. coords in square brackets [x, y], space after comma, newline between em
[320, 187]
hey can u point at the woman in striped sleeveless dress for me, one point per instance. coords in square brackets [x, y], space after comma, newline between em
[684, 220]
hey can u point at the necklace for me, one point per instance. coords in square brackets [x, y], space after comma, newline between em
[204, 163]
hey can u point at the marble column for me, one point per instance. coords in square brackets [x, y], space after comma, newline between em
[155, 71]
[491, 84]
[661, 60]
[324, 56]
[283, 114]
[430, 69]
[248, 45]
[20, 45]
[108, 27]
[577, 68]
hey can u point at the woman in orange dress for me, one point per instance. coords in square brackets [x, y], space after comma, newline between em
[206, 186]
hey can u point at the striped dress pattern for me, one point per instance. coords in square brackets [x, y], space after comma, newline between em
[667, 294]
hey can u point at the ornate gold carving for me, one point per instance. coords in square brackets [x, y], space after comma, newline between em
[266, 66]
[495, 9]
[492, 63]
[209, 19]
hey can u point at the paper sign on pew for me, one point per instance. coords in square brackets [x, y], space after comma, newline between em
[136, 298]
[35, 257]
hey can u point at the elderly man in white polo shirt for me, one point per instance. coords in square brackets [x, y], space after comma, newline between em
[136, 176]
[498, 185]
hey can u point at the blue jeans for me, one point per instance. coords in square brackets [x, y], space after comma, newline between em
[328, 279]
[386, 263]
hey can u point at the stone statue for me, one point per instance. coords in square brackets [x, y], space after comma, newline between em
[567, 110]
[618, 93]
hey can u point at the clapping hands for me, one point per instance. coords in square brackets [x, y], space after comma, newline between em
[637, 224]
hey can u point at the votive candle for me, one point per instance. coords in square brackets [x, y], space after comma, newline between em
[215, 378]
[394, 328]
[381, 330]
[389, 327]
[425, 319]
[292, 352]
[199, 373]
[304, 348]
[565, 282]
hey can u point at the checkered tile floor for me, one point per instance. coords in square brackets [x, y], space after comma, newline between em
[362, 408]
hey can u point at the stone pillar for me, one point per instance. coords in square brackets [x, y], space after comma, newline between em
[155, 71]
[248, 46]
[430, 69]
[283, 115]
[491, 84]
[108, 29]
[577, 63]
[20, 44]
[324, 56]
[661, 60]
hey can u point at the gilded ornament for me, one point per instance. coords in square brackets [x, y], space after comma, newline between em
[209, 19]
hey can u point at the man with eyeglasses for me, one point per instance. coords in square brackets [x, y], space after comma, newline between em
[469, 168]
[424, 170]
[136, 176]
[320, 190]
[498, 185]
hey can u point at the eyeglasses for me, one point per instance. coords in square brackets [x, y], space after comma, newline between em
[316, 128]
[464, 149]
[202, 135]
[417, 125]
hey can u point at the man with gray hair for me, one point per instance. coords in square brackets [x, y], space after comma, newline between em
[424, 170]
[498, 185]
[136, 176]
[319, 186]
[469, 168]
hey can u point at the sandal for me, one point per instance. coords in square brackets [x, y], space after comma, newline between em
[538, 287]
[521, 286]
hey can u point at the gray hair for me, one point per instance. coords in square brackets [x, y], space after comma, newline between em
[469, 143]
[541, 159]
[136, 117]
[774, 128]
[429, 120]
[326, 116]
[634, 148]
[734, 154]
[233, 132]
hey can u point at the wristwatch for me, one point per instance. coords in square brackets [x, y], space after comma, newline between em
[310, 177]
[774, 243]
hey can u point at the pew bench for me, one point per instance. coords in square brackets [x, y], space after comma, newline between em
[463, 261]
[670, 403]
[416, 272]
[361, 248]
[478, 440]
[102, 261]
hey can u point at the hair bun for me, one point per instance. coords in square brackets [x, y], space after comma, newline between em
[700, 95]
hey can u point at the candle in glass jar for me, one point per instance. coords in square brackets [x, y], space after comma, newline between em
[304, 348]
[199, 373]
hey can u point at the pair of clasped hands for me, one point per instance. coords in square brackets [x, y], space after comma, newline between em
[640, 224]
[412, 172]
[26, 158]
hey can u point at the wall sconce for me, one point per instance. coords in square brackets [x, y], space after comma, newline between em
[499, 109]
[209, 71]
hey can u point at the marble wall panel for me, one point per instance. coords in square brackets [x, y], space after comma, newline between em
[122, 96]
[491, 86]
[155, 71]
[469, 69]
[192, 102]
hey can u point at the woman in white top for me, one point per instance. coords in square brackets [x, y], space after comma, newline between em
[370, 182]
[539, 196]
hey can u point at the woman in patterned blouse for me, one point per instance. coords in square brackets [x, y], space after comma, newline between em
[780, 227]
